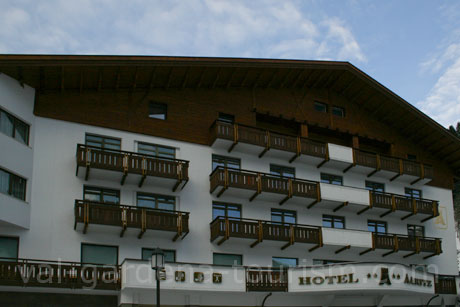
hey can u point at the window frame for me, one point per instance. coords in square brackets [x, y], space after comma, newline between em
[14, 176]
[376, 226]
[225, 159]
[226, 117]
[103, 142]
[164, 250]
[333, 218]
[411, 194]
[15, 122]
[416, 226]
[157, 152]
[283, 214]
[99, 245]
[101, 194]
[337, 108]
[229, 254]
[226, 209]
[290, 258]
[162, 108]
[329, 180]
[17, 245]
[156, 195]
[318, 106]
[368, 187]
[282, 170]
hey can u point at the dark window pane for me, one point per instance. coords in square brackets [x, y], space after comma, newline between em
[331, 179]
[6, 123]
[226, 210]
[225, 162]
[100, 254]
[338, 111]
[4, 182]
[158, 110]
[103, 142]
[333, 221]
[278, 262]
[12, 184]
[377, 226]
[14, 127]
[320, 107]
[227, 259]
[411, 157]
[284, 216]
[101, 195]
[21, 132]
[226, 118]
[282, 171]
[413, 193]
[156, 201]
[375, 186]
[156, 150]
[416, 230]
[170, 255]
[9, 247]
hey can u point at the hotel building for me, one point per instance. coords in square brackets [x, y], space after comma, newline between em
[308, 180]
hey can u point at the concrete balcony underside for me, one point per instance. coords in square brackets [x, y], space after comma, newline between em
[125, 218]
[265, 143]
[133, 168]
[333, 240]
[250, 185]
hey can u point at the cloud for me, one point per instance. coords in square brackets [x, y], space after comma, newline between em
[270, 28]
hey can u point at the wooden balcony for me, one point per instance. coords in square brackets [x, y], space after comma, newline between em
[262, 141]
[407, 205]
[444, 284]
[125, 217]
[267, 279]
[391, 167]
[258, 231]
[138, 166]
[428, 247]
[255, 184]
[54, 274]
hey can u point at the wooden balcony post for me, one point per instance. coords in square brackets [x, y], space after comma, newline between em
[259, 187]
[325, 159]
[400, 170]
[318, 197]
[417, 245]
[260, 234]
[144, 171]
[143, 223]
[371, 200]
[85, 216]
[298, 150]
[235, 137]
[179, 227]
[125, 168]
[267, 145]
[124, 221]
[179, 176]
[87, 162]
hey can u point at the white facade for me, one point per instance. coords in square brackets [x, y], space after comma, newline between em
[44, 222]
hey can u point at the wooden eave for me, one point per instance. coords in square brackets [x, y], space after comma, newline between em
[66, 73]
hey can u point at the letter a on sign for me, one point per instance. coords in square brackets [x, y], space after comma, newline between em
[384, 277]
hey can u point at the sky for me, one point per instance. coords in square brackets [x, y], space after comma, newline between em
[412, 47]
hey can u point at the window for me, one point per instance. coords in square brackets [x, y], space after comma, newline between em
[228, 118]
[225, 162]
[320, 107]
[14, 127]
[324, 262]
[414, 193]
[170, 255]
[338, 111]
[156, 150]
[99, 254]
[332, 179]
[280, 262]
[377, 226]
[375, 186]
[283, 171]
[227, 259]
[331, 221]
[103, 142]
[12, 184]
[158, 110]
[284, 216]
[411, 157]
[9, 247]
[101, 195]
[227, 210]
[156, 201]
[415, 231]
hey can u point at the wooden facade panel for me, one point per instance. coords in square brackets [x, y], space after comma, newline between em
[192, 111]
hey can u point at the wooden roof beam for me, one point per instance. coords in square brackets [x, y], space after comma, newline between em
[99, 79]
[316, 81]
[216, 78]
[184, 81]
[298, 77]
[229, 82]
[136, 76]
[273, 77]
[42, 78]
[117, 78]
[62, 79]
[201, 78]
[285, 79]
[168, 82]
[349, 85]
[245, 78]
[451, 153]
[152, 78]
[256, 81]
[20, 76]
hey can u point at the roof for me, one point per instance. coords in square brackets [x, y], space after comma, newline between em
[97, 72]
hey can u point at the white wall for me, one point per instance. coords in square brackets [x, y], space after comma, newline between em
[56, 187]
[17, 157]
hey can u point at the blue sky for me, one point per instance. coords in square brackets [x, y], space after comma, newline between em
[412, 47]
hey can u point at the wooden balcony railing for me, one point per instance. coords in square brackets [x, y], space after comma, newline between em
[132, 163]
[267, 279]
[394, 202]
[444, 284]
[238, 133]
[399, 166]
[262, 182]
[259, 230]
[40, 273]
[412, 244]
[89, 212]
